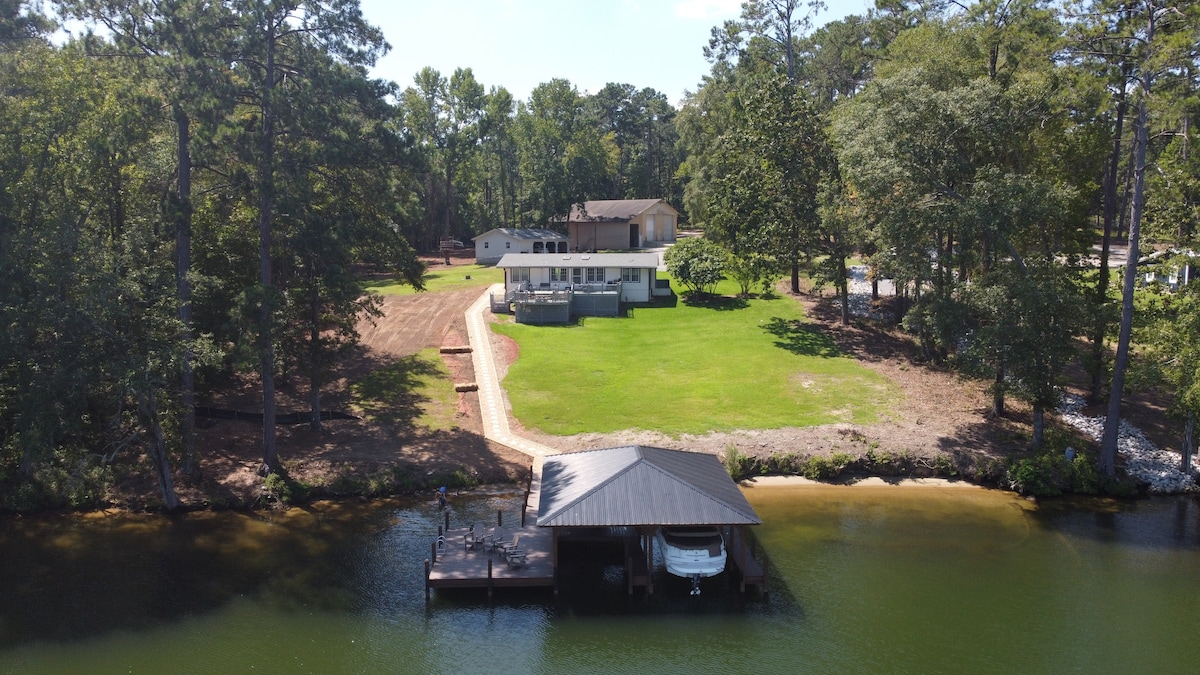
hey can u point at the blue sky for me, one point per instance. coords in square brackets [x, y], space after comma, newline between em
[519, 44]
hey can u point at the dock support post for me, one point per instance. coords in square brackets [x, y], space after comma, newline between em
[426, 580]
[499, 518]
[489, 586]
[433, 551]
[745, 554]
[447, 514]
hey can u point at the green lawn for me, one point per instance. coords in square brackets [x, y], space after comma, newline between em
[442, 278]
[751, 364]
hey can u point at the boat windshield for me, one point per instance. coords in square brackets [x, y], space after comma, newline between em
[692, 537]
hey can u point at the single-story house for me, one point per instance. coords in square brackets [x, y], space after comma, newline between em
[620, 224]
[494, 244]
[552, 287]
[1170, 268]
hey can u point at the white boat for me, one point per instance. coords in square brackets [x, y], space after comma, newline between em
[692, 552]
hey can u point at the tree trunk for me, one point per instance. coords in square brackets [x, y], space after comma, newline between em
[1108, 444]
[844, 289]
[314, 375]
[1039, 426]
[1100, 328]
[148, 411]
[449, 185]
[1189, 443]
[266, 207]
[998, 393]
[183, 289]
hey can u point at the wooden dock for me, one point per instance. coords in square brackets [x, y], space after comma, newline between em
[452, 564]
[740, 550]
[456, 566]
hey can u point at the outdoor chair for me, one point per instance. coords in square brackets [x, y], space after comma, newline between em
[515, 557]
[475, 537]
[499, 538]
[511, 545]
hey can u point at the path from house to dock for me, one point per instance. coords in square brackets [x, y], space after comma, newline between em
[492, 407]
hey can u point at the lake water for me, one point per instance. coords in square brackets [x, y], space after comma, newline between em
[864, 579]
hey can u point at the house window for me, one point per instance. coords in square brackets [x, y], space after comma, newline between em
[558, 274]
[577, 275]
[485, 244]
[519, 275]
[631, 275]
[595, 275]
[508, 244]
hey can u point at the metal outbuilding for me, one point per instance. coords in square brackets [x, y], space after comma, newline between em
[633, 490]
[637, 485]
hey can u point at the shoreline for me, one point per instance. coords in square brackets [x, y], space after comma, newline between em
[868, 481]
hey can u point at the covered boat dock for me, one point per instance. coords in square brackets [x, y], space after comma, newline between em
[619, 495]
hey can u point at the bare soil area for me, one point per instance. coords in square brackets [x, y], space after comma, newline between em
[935, 413]
[353, 451]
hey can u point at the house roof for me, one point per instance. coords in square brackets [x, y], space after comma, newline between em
[611, 210]
[535, 233]
[640, 485]
[642, 260]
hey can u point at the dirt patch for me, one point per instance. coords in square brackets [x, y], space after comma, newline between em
[354, 451]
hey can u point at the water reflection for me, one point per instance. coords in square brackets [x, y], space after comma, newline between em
[862, 579]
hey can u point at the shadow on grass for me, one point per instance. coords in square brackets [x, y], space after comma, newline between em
[723, 303]
[801, 338]
[390, 393]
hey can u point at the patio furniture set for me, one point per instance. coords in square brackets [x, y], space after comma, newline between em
[496, 541]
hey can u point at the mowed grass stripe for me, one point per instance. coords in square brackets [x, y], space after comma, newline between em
[688, 369]
[441, 278]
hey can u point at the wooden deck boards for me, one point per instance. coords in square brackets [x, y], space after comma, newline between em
[741, 553]
[459, 567]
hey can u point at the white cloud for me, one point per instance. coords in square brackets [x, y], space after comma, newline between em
[708, 9]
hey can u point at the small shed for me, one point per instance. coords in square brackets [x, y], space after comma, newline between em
[492, 245]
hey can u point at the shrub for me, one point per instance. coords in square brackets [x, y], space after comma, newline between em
[824, 468]
[283, 488]
[1052, 474]
[697, 263]
[737, 463]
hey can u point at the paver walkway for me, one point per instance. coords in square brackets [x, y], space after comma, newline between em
[491, 396]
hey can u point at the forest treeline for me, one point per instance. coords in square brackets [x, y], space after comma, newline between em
[191, 189]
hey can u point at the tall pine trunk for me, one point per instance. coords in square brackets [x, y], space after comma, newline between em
[1189, 443]
[1108, 444]
[266, 207]
[1111, 210]
[314, 361]
[183, 289]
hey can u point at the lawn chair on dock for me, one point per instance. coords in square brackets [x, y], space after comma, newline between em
[475, 537]
[499, 539]
[513, 554]
[515, 557]
[506, 546]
